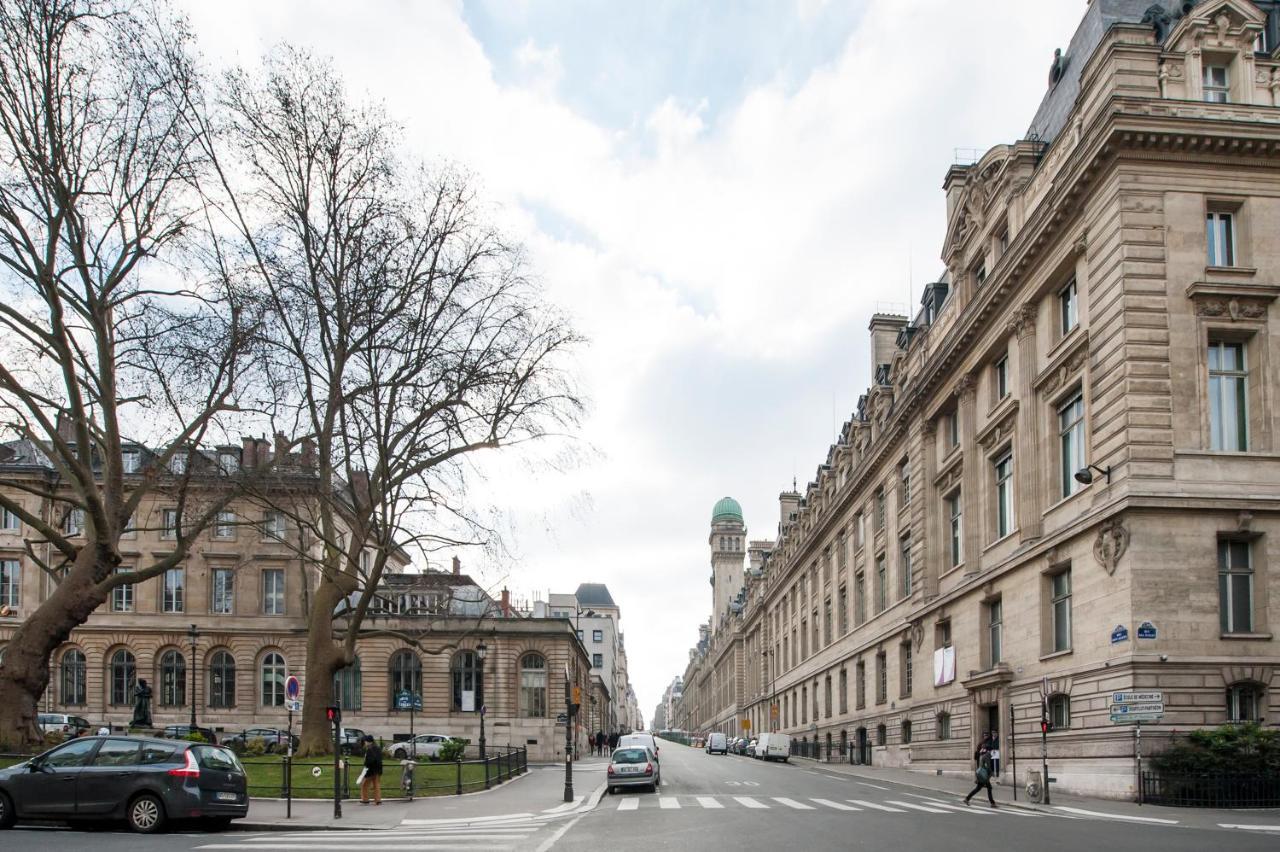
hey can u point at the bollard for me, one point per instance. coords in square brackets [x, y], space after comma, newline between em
[459, 765]
[486, 773]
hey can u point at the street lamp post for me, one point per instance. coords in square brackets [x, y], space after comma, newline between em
[481, 650]
[194, 634]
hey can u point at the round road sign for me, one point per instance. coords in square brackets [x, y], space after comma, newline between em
[292, 688]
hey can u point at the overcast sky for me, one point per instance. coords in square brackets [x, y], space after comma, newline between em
[719, 194]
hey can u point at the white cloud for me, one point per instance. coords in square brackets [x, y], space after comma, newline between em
[723, 267]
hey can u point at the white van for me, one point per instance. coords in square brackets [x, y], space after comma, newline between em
[773, 747]
[639, 740]
[717, 743]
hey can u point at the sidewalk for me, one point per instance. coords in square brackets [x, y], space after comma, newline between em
[537, 794]
[1061, 804]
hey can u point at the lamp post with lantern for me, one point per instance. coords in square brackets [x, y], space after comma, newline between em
[481, 650]
[194, 634]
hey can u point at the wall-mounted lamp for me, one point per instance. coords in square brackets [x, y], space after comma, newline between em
[1085, 475]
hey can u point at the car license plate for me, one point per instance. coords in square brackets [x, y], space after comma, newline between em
[227, 797]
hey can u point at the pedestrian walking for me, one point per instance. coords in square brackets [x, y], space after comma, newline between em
[599, 742]
[371, 777]
[982, 776]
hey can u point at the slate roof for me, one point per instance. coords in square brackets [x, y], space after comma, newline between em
[594, 594]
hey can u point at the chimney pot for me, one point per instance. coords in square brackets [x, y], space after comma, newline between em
[506, 603]
[457, 566]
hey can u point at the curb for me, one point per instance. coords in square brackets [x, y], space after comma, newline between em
[243, 825]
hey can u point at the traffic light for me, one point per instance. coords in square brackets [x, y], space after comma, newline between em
[1045, 725]
[334, 715]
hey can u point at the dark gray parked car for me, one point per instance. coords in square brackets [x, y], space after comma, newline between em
[144, 781]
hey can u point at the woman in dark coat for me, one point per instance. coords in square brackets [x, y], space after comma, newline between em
[372, 772]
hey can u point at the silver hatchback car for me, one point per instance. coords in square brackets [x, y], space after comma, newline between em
[633, 766]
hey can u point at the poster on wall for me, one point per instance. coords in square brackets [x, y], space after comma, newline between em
[468, 701]
[944, 666]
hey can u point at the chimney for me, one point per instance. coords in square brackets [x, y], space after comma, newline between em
[282, 447]
[308, 453]
[884, 339]
[66, 431]
[249, 452]
[788, 505]
[506, 603]
[457, 566]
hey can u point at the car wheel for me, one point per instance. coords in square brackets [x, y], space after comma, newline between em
[145, 814]
[7, 814]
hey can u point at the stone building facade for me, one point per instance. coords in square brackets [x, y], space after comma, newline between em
[1063, 481]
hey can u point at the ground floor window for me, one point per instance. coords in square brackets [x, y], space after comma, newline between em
[1245, 702]
[1060, 711]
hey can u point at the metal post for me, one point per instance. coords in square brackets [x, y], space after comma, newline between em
[568, 741]
[193, 633]
[288, 768]
[337, 765]
[1013, 753]
[459, 764]
[1044, 757]
[1137, 750]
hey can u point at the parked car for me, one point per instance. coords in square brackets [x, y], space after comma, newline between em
[273, 739]
[181, 732]
[61, 723]
[633, 766]
[750, 749]
[640, 740]
[351, 740]
[423, 745]
[717, 743]
[144, 781]
[774, 747]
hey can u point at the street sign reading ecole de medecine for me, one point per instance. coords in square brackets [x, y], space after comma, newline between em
[1136, 697]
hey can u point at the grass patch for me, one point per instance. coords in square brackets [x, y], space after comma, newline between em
[6, 762]
[265, 775]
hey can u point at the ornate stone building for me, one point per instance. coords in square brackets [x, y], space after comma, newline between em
[1063, 481]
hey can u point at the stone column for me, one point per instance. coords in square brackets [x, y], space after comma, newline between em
[971, 482]
[1026, 461]
[933, 545]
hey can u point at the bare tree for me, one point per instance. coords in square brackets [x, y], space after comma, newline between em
[403, 326]
[99, 161]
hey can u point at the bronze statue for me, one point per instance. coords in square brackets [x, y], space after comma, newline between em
[141, 706]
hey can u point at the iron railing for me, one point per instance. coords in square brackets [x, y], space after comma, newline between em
[1211, 790]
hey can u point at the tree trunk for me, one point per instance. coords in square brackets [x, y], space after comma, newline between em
[324, 658]
[24, 676]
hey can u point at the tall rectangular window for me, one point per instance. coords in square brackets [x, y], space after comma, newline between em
[168, 523]
[844, 691]
[860, 672]
[1071, 442]
[178, 463]
[1068, 308]
[1228, 397]
[904, 566]
[826, 622]
[1004, 495]
[1000, 378]
[904, 477]
[273, 525]
[228, 461]
[953, 429]
[597, 636]
[10, 583]
[880, 511]
[122, 595]
[9, 521]
[955, 510]
[843, 603]
[882, 583]
[826, 697]
[908, 668]
[804, 638]
[130, 461]
[882, 678]
[223, 597]
[995, 631]
[1235, 586]
[224, 526]
[859, 598]
[1217, 84]
[273, 591]
[1220, 236]
[174, 590]
[74, 523]
[1061, 611]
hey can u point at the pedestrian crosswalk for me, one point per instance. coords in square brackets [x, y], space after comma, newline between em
[916, 805]
[491, 837]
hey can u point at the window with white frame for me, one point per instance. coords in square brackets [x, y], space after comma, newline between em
[597, 635]
[1235, 586]
[1220, 238]
[1071, 442]
[9, 520]
[1228, 397]
[222, 601]
[1068, 308]
[1003, 471]
[122, 595]
[907, 666]
[1217, 84]
[273, 525]
[1000, 378]
[1060, 610]
[904, 566]
[995, 632]
[224, 526]
[904, 479]
[1245, 702]
[168, 523]
[273, 591]
[130, 461]
[74, 524]
[882, 678]
[1060, 711]
[882, 584]
[955, 509]
[953, 430]
[228, 461]
[178, 463]
[174, 590]
[10, 583]
[272, 678]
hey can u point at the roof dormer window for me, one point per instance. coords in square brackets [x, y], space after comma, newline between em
[1217, 84]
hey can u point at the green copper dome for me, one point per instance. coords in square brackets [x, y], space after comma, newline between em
[727, 509]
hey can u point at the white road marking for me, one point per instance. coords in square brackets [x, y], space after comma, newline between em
[709, 802]
[964, 809]
[836, 805]
[877, 786]
[748, 802]
[669, 802]
[924, 808]
[876, 807]
[1249, 827]
[628, 804]
[1125, 818]
[792, 803]
[454, 821]
[393, 847]
[560, 832]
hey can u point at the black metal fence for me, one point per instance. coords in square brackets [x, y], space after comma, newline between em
[1211, 790]
[804, 748]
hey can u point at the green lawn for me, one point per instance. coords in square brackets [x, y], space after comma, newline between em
[6, 762]
[430, 779]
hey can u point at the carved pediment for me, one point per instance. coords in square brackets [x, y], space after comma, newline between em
[1221, 25]
[984, 182]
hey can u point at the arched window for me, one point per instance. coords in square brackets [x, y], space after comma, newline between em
[222, 680]
[406, 674]
[1060, 711]
[533, 686]
[467, 692]
[173, 679]
[273, 675]
[346, 687]
[124, 673]
[906, 732]
[73, 678]
[944, 726]
[1244, 702]
[882, 735]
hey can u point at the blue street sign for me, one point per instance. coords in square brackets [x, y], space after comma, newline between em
[1146, 630]
[292, 688]
[1120, 634]
[406, 700]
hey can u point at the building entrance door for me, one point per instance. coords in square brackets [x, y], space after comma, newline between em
[862, 754]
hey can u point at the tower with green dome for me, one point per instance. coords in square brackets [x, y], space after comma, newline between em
[728, 542]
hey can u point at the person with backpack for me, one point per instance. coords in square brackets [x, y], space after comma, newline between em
[982, 776]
